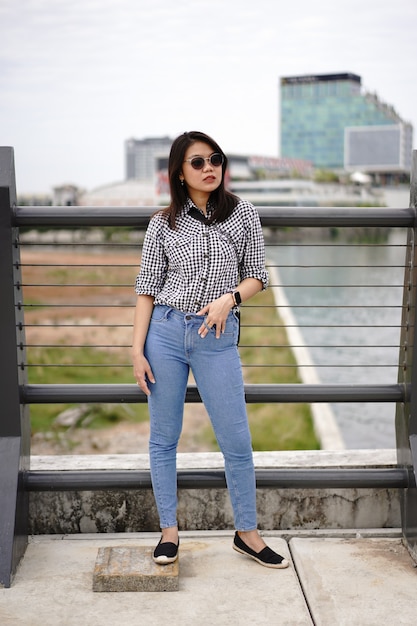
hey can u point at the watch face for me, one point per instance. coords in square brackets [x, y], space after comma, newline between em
[237, 298]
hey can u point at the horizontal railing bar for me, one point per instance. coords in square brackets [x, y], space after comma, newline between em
[55, 285]
[291, 266]
[83, 216]
[280, 266]
[324, 326]
[336, 285]
[244, 363]
[241, 345]
[125, 265]
[58, 326]
[129, 285]
[75, 325]
[265, 306]
[321, 266]
[270, 216]
[78, 244]
[291, 393]
[92, 480]
[70, 305]
[251, 365]
[336, 244]
[268, 243]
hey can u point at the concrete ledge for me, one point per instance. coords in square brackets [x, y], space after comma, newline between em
[214, 460]
[278, 509]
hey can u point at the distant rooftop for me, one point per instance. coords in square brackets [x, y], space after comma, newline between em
[313, 78]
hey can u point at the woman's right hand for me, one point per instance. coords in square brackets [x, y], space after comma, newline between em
[142, 372]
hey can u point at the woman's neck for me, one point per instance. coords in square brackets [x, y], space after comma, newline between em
[200, 200]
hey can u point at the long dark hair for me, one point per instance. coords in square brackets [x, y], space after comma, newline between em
[222, 200]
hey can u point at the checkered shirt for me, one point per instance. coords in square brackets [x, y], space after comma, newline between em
[189, 267]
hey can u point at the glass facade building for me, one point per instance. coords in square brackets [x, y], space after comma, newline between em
[316, 111]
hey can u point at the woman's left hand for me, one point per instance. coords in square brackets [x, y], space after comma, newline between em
[216, 315]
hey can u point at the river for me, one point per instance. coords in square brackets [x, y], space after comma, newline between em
[347, 303]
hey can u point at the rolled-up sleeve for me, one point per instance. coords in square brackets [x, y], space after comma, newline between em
[253, 261]
[154, 263]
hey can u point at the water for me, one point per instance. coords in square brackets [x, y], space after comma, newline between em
[353, 345]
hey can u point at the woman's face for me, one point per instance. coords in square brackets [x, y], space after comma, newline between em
[207, 179]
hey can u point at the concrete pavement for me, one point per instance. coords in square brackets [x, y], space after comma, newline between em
[335, 579]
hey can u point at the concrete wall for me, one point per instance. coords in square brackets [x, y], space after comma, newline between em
[278, 509]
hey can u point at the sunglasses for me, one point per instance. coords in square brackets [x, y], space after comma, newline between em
[198, 162]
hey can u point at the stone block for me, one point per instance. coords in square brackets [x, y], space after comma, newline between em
[124, 568]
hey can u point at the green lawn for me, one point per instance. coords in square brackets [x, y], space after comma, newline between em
[273, 426]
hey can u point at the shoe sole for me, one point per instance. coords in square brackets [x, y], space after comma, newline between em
[283, 565]
[165, 560]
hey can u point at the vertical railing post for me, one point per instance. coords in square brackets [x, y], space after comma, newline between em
[406, 413]
[14, 418]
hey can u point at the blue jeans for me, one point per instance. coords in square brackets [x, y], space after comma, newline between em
[172, 347]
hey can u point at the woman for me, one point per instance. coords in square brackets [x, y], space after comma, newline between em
[202, 256]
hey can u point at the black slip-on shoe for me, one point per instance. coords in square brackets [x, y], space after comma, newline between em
[166, 552]
[266, 557]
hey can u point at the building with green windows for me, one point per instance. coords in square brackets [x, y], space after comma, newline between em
[330, 121]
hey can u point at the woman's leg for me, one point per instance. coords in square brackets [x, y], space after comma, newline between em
[218, 373]
[164, 351]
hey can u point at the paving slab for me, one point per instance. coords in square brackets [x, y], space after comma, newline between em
[363, 581]
[132, 568]
[54, 586]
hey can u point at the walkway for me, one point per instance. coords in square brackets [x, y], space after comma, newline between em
[335, 579]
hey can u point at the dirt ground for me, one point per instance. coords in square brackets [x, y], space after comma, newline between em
[68, 279]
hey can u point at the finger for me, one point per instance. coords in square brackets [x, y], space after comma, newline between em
[141, 381]
[144, 387]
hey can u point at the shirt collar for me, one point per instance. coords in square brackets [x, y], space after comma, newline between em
[189, 208]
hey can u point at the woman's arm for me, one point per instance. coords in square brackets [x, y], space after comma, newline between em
[141, 368]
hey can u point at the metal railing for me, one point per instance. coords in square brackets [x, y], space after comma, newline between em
[64, 289]
[17, 394]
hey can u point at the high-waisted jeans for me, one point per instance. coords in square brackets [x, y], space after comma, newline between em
[172, 347]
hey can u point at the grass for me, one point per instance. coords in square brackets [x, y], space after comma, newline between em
[273, 426]
[94, 415]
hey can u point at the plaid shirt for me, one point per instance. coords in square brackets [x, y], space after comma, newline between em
[189, 267]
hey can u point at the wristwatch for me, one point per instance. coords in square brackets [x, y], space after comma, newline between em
[236, 298]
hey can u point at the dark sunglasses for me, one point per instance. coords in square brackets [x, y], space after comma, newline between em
[198, 162]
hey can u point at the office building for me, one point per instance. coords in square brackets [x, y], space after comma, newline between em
[141, 156]
[331, 121]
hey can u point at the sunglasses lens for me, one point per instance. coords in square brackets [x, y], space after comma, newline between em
[216, 159]
[197, 163]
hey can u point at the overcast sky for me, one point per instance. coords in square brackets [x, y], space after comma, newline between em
[79, 77]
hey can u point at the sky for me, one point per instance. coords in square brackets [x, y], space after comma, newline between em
[79, 77]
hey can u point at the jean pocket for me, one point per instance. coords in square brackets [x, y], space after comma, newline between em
[232, 329]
